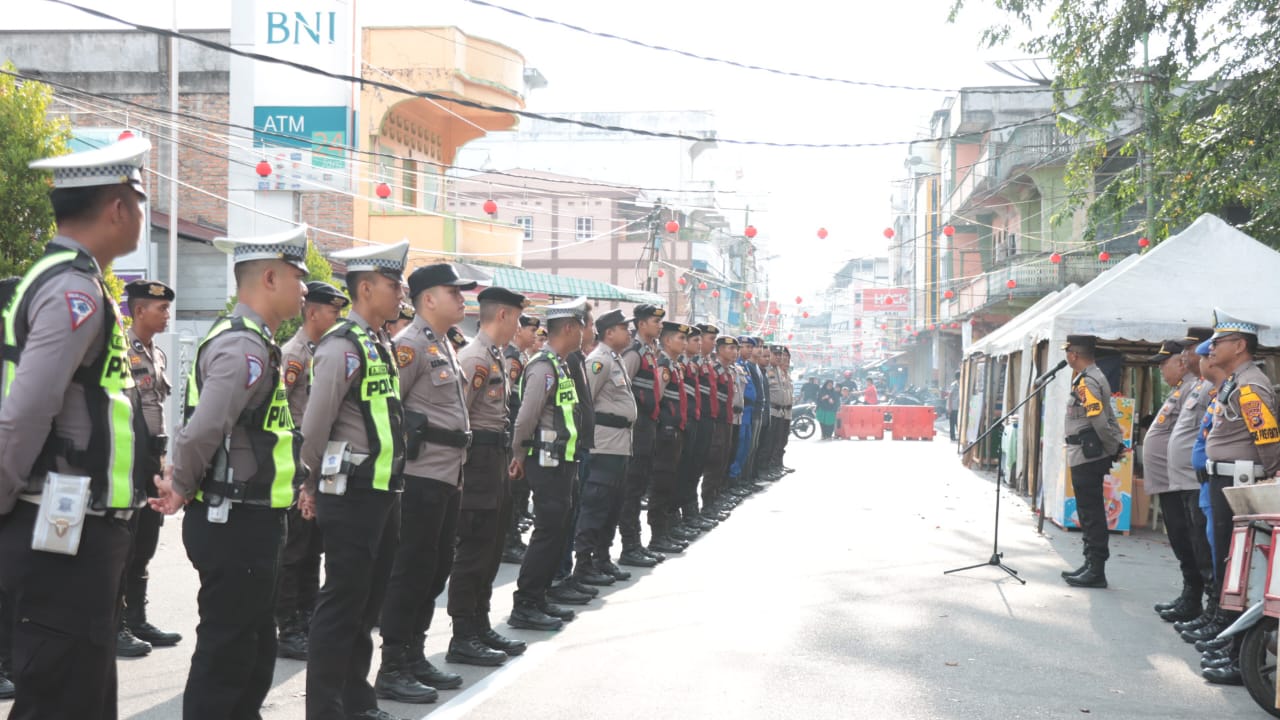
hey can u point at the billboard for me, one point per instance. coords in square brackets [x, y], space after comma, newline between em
[886, 301]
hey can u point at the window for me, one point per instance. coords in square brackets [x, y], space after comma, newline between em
[584, 228]
[410, 181]
[526, 223]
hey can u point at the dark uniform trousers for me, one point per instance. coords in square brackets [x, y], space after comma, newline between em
[697, 443]
[361, 530]
[1179, 508]
[519, 506]
[485, 512]
[552, 489]
[759, 427]
[145, 526]
[1086, 480]
[662, 495]
[299, 568]
[428, 530]
[637, 480]
[235, 656]
[783, 426]
[1223, 524]
[764, 447]
[601, 504]
[64, 608]
[718, 459]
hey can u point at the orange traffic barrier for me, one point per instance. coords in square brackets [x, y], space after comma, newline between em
[913, 422]
[864, 422]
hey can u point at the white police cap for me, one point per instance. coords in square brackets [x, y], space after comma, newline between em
[1224, 324]
[288, 245]
[116, 164]
[386, 259]
[576, 308]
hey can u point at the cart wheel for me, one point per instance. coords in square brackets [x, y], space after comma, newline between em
[1258, 664]
[803, 427]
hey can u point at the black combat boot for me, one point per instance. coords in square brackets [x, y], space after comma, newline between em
[426, 673]
[395, 682]
[129, 646]
[1095, 576]
[635, 556]
[466, 648]
[7, 691]
[497, 641]
[566, 595]
[1068, 573]
[135, 616]
[1162, 606]
[1209, 630]
[1186, 607]
[555, 611]
[528, 616]
[585, 572]
[1210, 611]
[608, 567]
[292, 643]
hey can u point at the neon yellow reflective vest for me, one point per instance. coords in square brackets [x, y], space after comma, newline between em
[118, 431]
[565, 446]
[378, 396]
[270, 427]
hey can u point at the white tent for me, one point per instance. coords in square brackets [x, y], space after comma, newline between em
[1007, 337]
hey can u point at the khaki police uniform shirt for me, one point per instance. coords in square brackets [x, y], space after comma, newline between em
[297, 372]
[1090, 406]
[1182, 438]
[148, 365]
[486, 383]
[1244, 421]
[431, 384]
[1155, 446]
[65, 320]
[235, 370]
[611, 393]
[332, 415]
[537, 405]
[740, 381]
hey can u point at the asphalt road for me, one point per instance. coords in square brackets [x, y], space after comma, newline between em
[822, 597]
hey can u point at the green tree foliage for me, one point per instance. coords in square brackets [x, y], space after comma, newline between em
[26, 134]
[1207, 95]
[318, 268]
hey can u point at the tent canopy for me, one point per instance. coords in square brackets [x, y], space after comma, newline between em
[526, 281]
[1008, 337]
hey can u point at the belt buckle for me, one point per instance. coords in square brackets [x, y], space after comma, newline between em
[470, 438]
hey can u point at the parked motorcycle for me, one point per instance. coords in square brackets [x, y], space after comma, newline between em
[1248, 577]
[803, 420]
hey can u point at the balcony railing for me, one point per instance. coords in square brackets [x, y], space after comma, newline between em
[1033, 276]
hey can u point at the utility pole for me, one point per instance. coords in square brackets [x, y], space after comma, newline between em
[1147, 117]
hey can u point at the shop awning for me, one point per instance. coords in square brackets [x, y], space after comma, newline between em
[528, 282]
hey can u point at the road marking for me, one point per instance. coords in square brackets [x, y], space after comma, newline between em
[464, 702]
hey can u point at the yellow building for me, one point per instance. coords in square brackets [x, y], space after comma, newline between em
[428, 134]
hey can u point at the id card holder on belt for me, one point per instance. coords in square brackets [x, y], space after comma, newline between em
[333, 481]
[1243, 473]
[60, 519]
[220, 512]
[545, 458]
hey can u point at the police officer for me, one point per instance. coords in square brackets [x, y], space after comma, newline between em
[615, 414]
[353, 444]
[775, 410]
[698, 436]
[567, 590]
[515, 355]
[673, 416]
[732, 492]
[1093, 440]
[545, 441]
[148, 302]
[68, 407]
[392, 327]
[724, 403]
[235, 462]
[760, 360]
[784, 397]
[738, 475]
[438, 433]
[300, 563]
[641, 361]
[485, 511]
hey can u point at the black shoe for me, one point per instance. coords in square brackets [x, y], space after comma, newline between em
[513, 554]
[129, 646]
[1229, 675]
[498, 641]
[635, 558]
[292, 645]
[556, 611]
[788, 470]
[1068, 573]
[574, 583]
[1093, 577]
[592, 576]
[680, 532]
[1195, 624]
[1208, 631]
[471, 651]
[655, 555]
[527, 617]
[700, 522]
[7, 691]
[1216, 662]
[393, 683]
[147, 632]
[424, 672]
[663, 545]
[1214, 645]
[1188, 609]
[608, 567]
[1187, 594]
[567, 595]
[374, 714]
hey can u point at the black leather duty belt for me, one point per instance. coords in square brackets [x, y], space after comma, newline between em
[612, 420]
[491, 438]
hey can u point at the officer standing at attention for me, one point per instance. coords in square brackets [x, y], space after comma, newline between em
[724, 404]
[235, 462]
[485, 512]
[672, 420]
[615, 413]
[786, 398]
[685, 515]
[1093, 441]
[65, 367]
[732, 491]
[353, 444]
[738, 470]
[438, 433]
[148, 302]
[566, 590]
[300, 563]
[545, 439]
[641, 361]
[515, 355]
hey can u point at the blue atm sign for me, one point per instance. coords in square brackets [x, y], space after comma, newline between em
[319, 129]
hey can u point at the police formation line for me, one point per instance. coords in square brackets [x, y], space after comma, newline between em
[384, 438]
[1217, 428]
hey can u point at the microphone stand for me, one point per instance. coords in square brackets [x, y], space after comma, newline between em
[996, 556]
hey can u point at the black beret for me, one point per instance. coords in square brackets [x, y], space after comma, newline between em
[1088, 342]
[708, 329]
[1198, 335]
[429, 276]
[530, 321]
[1168, 349]
[148, 290]
[610, 319]
[502, 296]
[726, 340]
[324, 293]
[645, 311]
[668, 326]
[457, 338]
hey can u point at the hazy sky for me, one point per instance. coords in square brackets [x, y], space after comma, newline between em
[906, 42]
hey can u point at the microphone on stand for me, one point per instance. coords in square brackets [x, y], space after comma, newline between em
[1045, 377]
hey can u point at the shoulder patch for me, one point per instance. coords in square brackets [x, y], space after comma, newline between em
[81, 307]
[293, 369]
[371, 348]
[477, 382]
[404, 355]
[551, 382]
[255, 369]
[666, 375]
[596, 367]
[353, 364]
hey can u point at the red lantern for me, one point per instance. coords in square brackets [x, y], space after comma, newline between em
[805, 314]
[746, 305]
[789, 336]
[1144, 243]
[955, 326]
[908, 328]
[884, 326]
[682, 281]
[775, 311]
[822, 233]
[125, 135]
[750, 231]
[715, 293]
[799, 299]
[490, 207]
[1055, 258]
[948, 230]
[661, 272]
[383, 190]
[263, 168]
[702, 286]
[948, 294]
[857, 322]
[673, 227]
[932, 326]
[888, 233]
[1104, 256]
[747, 295]
[1011, 284]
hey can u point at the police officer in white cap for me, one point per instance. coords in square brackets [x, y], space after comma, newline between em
[353, 443]
[234, 467]
[68, 408]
